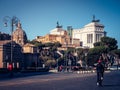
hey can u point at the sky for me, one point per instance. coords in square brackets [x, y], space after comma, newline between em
[38, 17]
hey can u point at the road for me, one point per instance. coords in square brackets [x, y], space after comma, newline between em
[62, 81]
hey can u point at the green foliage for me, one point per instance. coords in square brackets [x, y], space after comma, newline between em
[57, 44]
[50, 63]
[70, 50]
[4, 36]
[53, 46]
[111, 43]
[94, 53]
[80, 53]
[98, 44]
[79, 50]
[36, 43]
[47, 56]
[117, 52]
[106, 45]
[49, 44]
[108, 42]
[61, 61]
[97, 50]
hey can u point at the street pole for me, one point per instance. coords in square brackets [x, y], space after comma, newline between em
[57, 66]
[86, 58]
[75, 54]
[13, 21]
[12, 40]
[66, 54]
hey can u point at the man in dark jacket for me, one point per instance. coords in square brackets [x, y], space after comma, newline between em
[100, 72]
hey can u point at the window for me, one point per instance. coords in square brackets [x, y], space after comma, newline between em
[89, 38]
[98, 37]
[81, 43]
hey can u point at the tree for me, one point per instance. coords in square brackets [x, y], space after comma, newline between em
[80, 53]
[53, 46]
[97, 50]
[57, 44]
[110, 43]
[50, 63]
[36, 43]
[94, 53]
[98, 44]
[117, 52]
[106, 45]
[49, 54]
[4, 36]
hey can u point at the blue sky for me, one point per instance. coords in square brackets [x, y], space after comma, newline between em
[38, 17]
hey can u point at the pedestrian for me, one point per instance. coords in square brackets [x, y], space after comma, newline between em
[10, 69]
[100, 72]
[60, 68]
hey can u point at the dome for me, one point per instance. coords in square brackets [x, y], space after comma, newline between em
[19, 35]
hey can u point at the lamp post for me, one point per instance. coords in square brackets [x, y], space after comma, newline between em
[86, 58]
[66, 55]
[13, 22]
[86, 54]
[75, 54]
[57, 66]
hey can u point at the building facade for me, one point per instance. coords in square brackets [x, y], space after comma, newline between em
[10, 55]
[58, 34]
[89, 34]
[29, 48]
[31, 56]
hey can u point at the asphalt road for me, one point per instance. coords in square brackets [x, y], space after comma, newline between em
[62, 81]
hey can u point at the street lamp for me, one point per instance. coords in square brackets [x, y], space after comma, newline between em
[76, 55]
[66, 54]
[13, 22]
[86, 53]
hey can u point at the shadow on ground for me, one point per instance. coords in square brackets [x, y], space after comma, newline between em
[112, 85]
[20, 75]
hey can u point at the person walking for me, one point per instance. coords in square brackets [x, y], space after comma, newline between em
[100, 72]
[10, 69]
